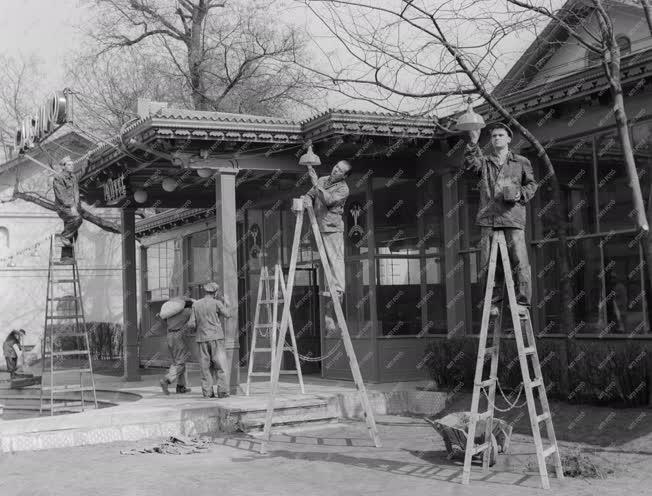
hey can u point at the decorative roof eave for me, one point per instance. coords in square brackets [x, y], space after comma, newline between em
[634, 67]
[165, 220]
[343, 122]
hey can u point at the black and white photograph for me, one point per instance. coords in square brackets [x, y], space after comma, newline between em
[326, 247]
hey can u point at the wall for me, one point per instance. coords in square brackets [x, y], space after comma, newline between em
[23, 264]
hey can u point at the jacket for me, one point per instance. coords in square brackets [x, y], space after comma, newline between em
[66, 191]
[330, 207]
[494, 210]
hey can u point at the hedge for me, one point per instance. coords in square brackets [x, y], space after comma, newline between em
[578, 371]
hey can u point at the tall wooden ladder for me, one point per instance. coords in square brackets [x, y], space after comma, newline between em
[267, 304]
[65, 338]
[528, 357]
[298, 208]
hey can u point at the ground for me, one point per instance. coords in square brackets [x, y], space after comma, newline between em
[330, 460]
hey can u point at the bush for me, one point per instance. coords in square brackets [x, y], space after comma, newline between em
[105, 339]
[599, 372]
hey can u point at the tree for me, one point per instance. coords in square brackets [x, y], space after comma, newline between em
[18, 92]
[427, 53]
[227, 55]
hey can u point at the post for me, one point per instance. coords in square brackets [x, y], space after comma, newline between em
[129, 296]
[227, 265]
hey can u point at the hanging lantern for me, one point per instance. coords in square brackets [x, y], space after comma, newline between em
[205, 172]
[309, 158]
[169, 184]
[470, 120]
[140, 195]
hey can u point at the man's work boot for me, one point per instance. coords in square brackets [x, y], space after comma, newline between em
[495, 311]
[164, 386]
[223, 394]
[522, 310]
[183, 389]
[66, 252]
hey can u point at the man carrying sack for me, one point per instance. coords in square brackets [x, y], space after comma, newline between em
[11, 357]
[213, 361]
[177, 312]
[66, 203]
[506, 185]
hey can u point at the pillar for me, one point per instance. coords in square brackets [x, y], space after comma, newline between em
[227, 264]
[129, 296]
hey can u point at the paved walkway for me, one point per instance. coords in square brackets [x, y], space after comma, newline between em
[330, 461]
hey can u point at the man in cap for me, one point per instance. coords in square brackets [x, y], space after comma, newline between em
[177, 312]
[11, 357]
[328, 196]
[213, 364]
[66, 202]
[506, 185]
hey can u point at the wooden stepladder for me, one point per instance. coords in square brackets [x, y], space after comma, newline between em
[64, 305]
[526, 351]
[267, 304]
[298, 208]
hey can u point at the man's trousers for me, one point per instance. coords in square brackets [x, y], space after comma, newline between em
[518, 259]
[180, 355]
[214, 367]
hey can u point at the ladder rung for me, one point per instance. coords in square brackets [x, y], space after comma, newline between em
[65, 317]
[487, 382]
[536, 383]
[285, 348]
[529, 350]
[266, 326]
[481, 447]
[68, 404]
[61, 280]
[66, 388]
[543, 416]
[269, 374]
[484, 415]
[267, 278]
[490, 349]
[65, 298]
[549, 451]
[67, 352]
[70, 370]
[270, 301]
[62, 262]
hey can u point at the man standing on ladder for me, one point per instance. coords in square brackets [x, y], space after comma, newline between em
[66, 202]
[506, 185]
[328, 196]
[213, 361]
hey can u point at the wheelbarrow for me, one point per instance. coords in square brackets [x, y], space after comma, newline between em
[453, 429]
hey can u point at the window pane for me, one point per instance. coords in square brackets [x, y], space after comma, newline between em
[200, 265]
[615, 208]
[435, 297]
[398, 292]
[356, 301]
[395, 222]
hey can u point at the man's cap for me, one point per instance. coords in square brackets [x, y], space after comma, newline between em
[498, 125]
[21, 331]
[211, 287]
[65, 159]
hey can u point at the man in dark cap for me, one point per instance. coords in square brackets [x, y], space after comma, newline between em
[176, 319]
[506, 185]
[11, 357]
[66, 202]
[213, 362]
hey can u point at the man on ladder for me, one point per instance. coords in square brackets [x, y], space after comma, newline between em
[66, 202]
[506, 185]
[328, 196]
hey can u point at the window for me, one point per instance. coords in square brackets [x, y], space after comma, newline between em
[163, 270]
[623, 43]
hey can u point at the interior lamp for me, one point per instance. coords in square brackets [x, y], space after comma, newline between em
[205, 172]
[470, 120]
[140, 195]
[169, 184]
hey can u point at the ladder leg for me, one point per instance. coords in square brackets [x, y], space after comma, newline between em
[527, 381]
[348, 345]
[252, 353]
[479, 365]
[295, 351]
[276, 367]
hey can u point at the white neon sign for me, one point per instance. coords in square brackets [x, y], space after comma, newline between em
[53, 113]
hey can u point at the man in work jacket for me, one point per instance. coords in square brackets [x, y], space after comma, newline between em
[66, 203]
[506, 185]
[179, 352]
[213, 362]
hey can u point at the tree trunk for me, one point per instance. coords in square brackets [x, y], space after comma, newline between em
[196, 59]
[648, 13]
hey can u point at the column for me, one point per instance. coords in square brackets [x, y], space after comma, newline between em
[453, 269]
[227, 266]
[129, 296]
